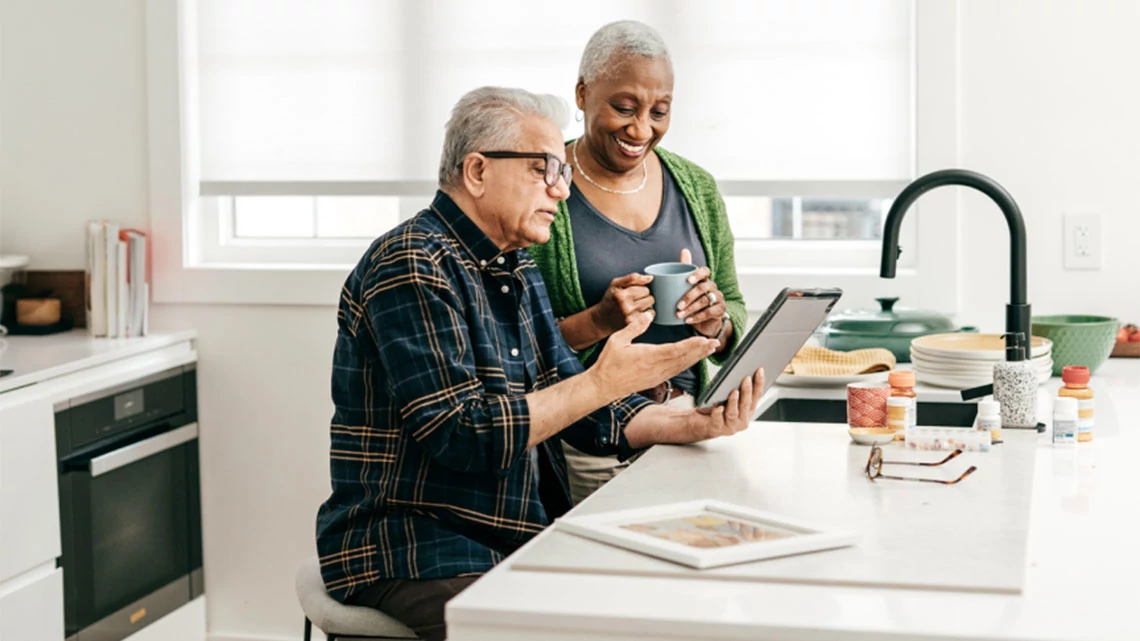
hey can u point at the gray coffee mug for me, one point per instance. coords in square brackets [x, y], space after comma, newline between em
[668, 286]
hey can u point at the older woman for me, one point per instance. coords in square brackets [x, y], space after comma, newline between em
[634, 205]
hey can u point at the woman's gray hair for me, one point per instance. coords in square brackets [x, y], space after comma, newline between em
[487, 119]
[615, 42]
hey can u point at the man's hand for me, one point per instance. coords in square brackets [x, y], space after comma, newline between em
[730, 418]
[625, 367]
[625, 298]
[665, 424]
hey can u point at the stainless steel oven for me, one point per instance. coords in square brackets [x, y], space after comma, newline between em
[129, 504]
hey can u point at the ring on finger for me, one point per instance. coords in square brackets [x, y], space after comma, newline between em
[712, 298]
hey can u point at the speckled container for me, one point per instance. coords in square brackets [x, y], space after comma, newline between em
[1015, 387]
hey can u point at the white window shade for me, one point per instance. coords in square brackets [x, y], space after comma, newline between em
[359, 90]
[818, 90]
[301, 90]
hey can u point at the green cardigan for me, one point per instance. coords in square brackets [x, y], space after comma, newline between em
[559, 268]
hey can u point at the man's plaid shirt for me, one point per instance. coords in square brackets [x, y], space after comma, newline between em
[441, 336]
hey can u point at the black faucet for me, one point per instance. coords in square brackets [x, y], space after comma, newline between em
[1017, 314]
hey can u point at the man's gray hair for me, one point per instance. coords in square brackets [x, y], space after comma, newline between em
[615, 42]
[487, 119]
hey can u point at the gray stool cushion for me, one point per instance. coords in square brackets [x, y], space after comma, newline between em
[334, 617]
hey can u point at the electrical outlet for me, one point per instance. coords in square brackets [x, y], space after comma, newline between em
[1082, 241]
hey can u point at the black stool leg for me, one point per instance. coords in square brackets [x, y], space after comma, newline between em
[308, 629]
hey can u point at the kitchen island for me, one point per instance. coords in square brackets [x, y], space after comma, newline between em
[1081, 567]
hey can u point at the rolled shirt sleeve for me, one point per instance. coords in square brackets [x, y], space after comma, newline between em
[601, 432]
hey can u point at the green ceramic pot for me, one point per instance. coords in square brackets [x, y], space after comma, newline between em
[887, 327]
[1077, 339]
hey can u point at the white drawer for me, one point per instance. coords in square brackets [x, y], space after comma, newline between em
[29, 492]
[31, 607]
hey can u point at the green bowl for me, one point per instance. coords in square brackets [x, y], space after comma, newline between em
[1077, 339]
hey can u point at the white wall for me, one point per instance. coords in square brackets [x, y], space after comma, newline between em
[74, 123]
[1049, 110]
[73, 97]
[263, 383]
[1049, 103]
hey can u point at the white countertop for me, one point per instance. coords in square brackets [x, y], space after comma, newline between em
[37, 358]
[1082, 573]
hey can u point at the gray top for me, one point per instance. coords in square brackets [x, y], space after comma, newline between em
[605, 250]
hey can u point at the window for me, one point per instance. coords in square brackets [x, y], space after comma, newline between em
[275, 229]
[248, 218]
[799, 218]
[306, 217]
[302, 129]
[356, 90]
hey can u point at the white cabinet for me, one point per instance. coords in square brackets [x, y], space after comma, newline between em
[29, 495]
[31, 607]
[52, 370]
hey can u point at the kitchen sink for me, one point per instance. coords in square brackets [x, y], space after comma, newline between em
[803, 410]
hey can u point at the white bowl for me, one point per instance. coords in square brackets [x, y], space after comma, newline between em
[965, 382]
[9, 264]
[871, 435]
[964, 345]
[967, 368]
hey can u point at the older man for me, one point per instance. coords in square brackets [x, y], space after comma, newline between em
[451, 378]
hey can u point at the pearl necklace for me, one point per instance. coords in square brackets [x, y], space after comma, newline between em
[620, 192]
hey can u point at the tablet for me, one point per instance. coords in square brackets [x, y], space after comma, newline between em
[786, 325]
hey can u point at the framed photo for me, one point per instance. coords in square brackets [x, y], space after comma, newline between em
[706, 533]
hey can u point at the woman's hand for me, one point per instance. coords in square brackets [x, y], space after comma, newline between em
[625, 298]
[703, 305]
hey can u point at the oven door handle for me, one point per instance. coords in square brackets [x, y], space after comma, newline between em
[112, 461]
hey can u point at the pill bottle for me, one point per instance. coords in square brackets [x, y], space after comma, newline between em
[902, 389]
[1064, 421]
[989, 419]
[1076, 378]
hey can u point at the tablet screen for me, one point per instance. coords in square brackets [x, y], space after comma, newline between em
[786, 325]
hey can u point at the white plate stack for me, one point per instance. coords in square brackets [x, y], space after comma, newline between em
[964, 360]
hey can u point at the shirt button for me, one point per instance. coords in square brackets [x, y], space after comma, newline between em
[505, 289]
[501, 260]
[514, 351]
[483, 263]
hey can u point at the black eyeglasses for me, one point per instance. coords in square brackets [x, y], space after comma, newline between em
[554, 165]
[875, 467]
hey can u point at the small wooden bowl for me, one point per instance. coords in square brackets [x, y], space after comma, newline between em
[37, 311]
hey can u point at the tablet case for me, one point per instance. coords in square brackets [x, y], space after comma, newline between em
[786, 325]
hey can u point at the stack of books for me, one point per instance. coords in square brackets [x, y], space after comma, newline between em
[118, 281]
